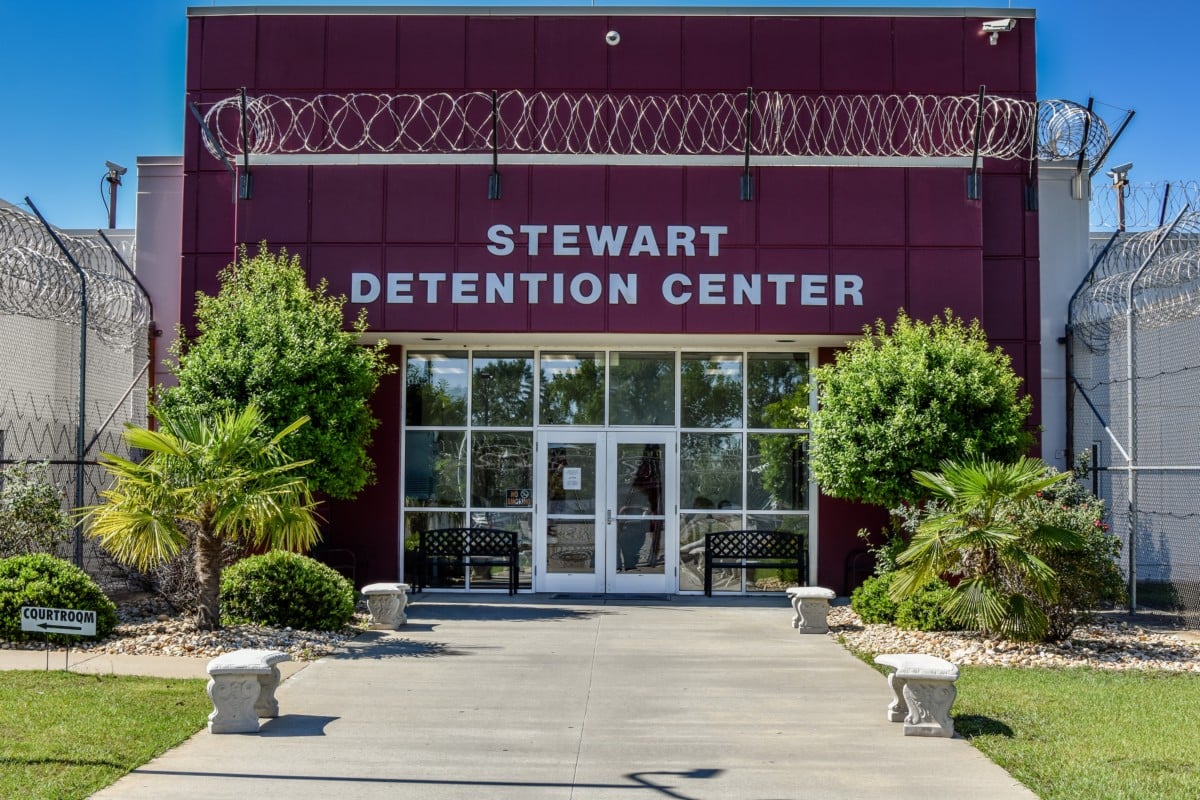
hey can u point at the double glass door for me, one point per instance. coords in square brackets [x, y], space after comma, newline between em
[606, 514]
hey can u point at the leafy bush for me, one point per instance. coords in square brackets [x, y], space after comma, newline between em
[286, 590]
[872, 602]
[31, 515]
[42, 580]
[1088, 577]
[925, 610]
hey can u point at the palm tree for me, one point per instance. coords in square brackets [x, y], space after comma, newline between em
[205, 481]
[971, 532]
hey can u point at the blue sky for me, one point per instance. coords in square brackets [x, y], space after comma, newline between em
[86, 81]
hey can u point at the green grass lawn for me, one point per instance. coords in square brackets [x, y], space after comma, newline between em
[65, 735]
[1086, 734]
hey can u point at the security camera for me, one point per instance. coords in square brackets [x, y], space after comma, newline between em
[612, 38]
[999, 25]
[1120, 173]
[115, 169]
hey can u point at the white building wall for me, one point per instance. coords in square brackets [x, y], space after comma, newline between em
[1065, 260]
[159, 244]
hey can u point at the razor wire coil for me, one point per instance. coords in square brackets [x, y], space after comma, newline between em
[715, 123]
[37, 280]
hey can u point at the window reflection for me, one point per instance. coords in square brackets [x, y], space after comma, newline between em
[436, 389]
[641, 389]
[710, 470]
[435, 468]
[572, 389]
[711, 390]
[777, 472]
[775, 389]
[502, 390]
[502, 470]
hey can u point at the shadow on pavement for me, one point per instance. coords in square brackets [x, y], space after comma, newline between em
[295, 725]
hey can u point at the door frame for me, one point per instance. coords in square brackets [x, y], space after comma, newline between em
[605, 579]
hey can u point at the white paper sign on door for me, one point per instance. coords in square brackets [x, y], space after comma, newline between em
[573, 478]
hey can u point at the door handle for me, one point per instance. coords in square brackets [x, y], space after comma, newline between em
[608, 518]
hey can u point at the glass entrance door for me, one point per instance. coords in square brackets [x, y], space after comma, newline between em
[641, 532]
[606, 517]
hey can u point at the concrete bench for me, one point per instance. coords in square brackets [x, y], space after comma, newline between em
[811, 604]
[242, 687]
[923, 691]
[386, 603]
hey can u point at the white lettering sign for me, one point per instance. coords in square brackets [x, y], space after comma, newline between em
[69, 621]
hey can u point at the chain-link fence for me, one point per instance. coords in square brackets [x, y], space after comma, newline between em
[1135, 373]
[73, 344]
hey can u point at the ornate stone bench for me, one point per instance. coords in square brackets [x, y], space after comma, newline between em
[242, 687]
[811, 604]
[923, 690]
[386, 602]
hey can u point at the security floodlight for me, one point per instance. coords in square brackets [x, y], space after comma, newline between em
[995, 27]
[612, 38]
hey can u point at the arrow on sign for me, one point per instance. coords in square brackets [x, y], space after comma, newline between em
[48, 626]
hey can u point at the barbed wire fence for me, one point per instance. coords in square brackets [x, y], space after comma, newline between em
[74, 326]
[1146, 204]
[1134, 349]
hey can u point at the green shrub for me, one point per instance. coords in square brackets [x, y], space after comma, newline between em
[925, 610]
[31, 515]
[871, 601]
[42, 580]
[286, 590]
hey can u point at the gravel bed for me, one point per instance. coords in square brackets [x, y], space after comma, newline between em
[1103, 644]
[148, 626]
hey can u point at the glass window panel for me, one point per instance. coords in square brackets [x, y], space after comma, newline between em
[711, 390]
[436, 389]
[435, 468]
[502, 389]
[443, 573]
[710, 470]
[571, 478]
[777, 472]
[692, 530]
[774, 379]
[572, 391]
[571, 546]
[641, 389]
[502, 470]
[766, 579]
[497, 577]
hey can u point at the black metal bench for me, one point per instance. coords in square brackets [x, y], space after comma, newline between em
[754, 549]
[468, 547]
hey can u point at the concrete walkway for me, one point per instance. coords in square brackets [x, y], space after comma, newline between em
[581, 699]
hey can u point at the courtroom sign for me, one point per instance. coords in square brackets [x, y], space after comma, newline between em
[68, 621]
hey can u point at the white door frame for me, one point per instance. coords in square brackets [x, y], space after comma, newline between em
[641, 576]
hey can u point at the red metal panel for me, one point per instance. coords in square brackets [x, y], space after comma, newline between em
[637, 195]
[1033, 303]
[291, 52]
[649, 55]
[431, 53]
[885, 286]
[866, 206]
[1003, 215]
[713, 198]
[336, 264]
[279, 210]
[941, 279]
[214, 226]
[939, 212]
[996, 66]
[570, 314]
[786, 54]
[652, 313]
[500, 52]
[929, 54]
[419, 315]
[476, 213]
[361, 53]
[347, 204]
[227, 58]
[793, 205]
[716, 53]
[704, 314]
[420, 203]
[856, 54]
[793, 318]
[568, 195]
[571, 53]
[1004, 298]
